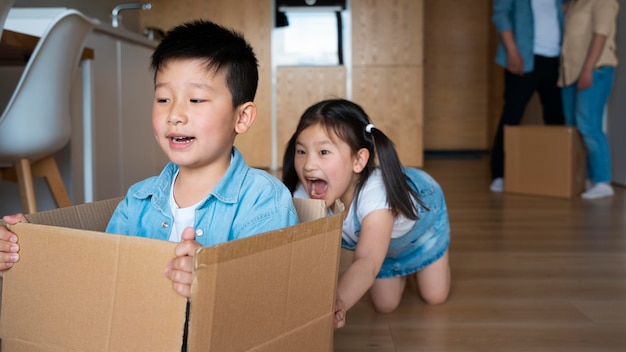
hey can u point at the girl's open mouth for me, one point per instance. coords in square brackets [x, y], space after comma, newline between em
[317, 188]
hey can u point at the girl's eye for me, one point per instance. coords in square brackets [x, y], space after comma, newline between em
[324, 152]
[162, 100]
[299, 152]
[197, 100]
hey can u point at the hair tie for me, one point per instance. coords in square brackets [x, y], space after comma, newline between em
[369, 127]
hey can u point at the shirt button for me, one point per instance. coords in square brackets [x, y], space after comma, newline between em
[199, 232]
[164, 224]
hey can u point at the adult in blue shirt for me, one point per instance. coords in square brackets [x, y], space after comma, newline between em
[530, 33]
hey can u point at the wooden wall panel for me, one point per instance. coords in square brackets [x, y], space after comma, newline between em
[387, 32]
[387, 70]
[456, 74]
[297, 88]
[253, 18]
[392, 97]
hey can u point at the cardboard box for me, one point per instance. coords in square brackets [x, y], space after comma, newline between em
[544, 161]
[78, 289]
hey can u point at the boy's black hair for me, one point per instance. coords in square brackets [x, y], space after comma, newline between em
[221, 48]
[347, 120]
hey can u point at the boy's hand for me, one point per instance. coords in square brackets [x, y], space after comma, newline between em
[179, 269]
[8, 243]
[340, 313]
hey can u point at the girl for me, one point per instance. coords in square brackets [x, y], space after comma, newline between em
[396, 219]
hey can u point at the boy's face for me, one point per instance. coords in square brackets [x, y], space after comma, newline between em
[326, 166]
[193, 118]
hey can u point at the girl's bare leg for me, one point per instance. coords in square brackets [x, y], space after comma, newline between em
[387, 293]
[434, 281]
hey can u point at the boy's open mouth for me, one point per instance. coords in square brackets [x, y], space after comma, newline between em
[181, 139]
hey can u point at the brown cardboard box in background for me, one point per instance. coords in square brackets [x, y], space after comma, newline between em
[84, 290]
[544, 161]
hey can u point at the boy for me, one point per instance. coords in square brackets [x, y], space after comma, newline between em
[205, 81]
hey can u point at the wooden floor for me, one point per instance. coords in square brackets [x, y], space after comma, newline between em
[528, 274]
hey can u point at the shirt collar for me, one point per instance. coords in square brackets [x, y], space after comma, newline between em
[227, 190]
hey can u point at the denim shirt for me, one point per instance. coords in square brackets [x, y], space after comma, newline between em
[245, 202]
[517, 16]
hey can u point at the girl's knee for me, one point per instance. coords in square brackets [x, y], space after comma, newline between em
[435, 298]
[386, 294]
[385, 306]
[434, 281]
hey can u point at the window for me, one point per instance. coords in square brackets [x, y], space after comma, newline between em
[308, 36]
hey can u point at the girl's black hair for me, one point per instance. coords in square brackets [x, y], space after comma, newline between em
[348, 121]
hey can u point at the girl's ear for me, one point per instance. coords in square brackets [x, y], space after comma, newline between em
[360, 160]
[246, 114]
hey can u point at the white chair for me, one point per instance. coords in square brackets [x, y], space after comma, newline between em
[5, 6]
[36, 122]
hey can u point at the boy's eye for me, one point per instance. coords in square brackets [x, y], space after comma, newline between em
[324, 152]
[159, 100]
[197, 100]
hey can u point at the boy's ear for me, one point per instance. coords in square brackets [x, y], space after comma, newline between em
[360, 160]
[246, 114]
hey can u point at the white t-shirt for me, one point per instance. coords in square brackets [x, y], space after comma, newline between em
[372, 197]
[183, 217]
[547, 41]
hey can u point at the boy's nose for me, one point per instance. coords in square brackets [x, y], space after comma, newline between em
[176, 115]
[173, 119]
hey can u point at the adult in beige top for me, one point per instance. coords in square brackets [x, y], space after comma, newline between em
[588, 60]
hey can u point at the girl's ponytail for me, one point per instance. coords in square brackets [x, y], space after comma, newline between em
[399, 193]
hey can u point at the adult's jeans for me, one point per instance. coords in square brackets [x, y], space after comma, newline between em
[517, 93]
[585, 110]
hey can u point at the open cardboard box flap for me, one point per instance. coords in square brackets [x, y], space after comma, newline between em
[78, 289]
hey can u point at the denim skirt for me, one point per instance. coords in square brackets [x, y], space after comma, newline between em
[429, 238]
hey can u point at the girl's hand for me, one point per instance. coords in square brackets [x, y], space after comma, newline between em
[339, 320]
[8, 243]
[179, 269]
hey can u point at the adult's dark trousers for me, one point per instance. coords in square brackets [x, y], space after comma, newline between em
[517, 93]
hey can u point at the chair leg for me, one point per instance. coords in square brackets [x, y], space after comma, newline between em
[25, 182]
[47, 168]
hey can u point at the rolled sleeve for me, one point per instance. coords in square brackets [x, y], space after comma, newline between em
[604, 15]
[501, 18]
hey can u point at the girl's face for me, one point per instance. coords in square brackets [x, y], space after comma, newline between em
[326, 165]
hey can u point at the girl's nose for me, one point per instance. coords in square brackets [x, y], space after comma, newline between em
[309, 163]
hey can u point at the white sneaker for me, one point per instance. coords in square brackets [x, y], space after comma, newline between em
[497, 185]
[599, 190]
